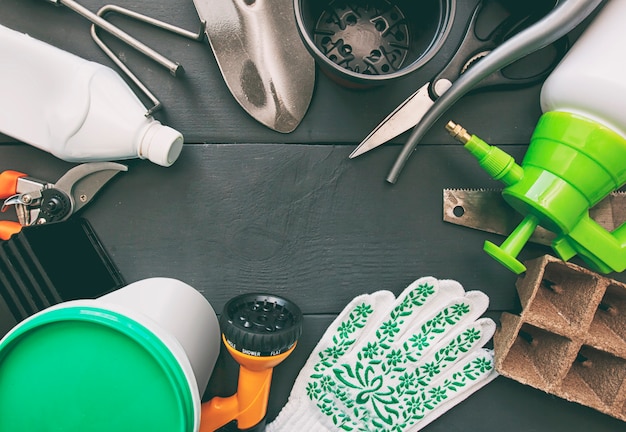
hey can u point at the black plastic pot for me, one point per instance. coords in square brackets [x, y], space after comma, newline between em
[362, 43]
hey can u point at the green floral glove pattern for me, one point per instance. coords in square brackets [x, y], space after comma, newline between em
[399, 369]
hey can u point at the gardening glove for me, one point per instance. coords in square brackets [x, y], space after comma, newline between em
[388, 364]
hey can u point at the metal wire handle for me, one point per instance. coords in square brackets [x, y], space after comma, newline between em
[98, 21]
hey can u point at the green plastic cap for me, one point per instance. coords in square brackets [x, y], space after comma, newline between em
[77, 369]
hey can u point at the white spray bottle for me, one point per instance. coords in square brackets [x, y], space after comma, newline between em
[577, 153]
[78, 110]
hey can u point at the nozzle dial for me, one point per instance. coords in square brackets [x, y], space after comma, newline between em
[261, 324]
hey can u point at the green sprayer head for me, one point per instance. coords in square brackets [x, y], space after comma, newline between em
[571, 164]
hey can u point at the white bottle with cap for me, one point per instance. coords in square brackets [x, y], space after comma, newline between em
[590, 81]
[78, 110]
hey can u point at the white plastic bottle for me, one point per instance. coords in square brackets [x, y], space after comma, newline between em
[591, 80]
[76, 109]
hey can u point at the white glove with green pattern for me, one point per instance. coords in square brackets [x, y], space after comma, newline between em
[388, 364]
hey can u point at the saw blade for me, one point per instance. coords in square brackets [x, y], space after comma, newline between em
[486, 210]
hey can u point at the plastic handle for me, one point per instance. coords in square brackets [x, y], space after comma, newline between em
[249, 404]
[8, 228]
[8, 183]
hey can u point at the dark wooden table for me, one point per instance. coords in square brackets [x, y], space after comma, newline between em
[248, 209]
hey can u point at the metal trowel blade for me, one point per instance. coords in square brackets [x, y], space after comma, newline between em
[262, 58]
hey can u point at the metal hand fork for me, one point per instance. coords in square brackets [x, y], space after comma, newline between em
[98, 21]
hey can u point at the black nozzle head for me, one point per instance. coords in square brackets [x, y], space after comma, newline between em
[261, 325]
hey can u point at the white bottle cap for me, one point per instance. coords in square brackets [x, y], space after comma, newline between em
[161, 144]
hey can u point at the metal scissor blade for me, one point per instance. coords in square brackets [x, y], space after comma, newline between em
[403, 118]
[82, 182]
[486, 210]
[261, 57]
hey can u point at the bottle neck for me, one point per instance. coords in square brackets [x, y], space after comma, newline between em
[160, 144]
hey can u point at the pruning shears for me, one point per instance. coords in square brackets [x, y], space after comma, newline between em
[38, 202]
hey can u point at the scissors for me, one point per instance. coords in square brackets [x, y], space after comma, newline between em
[471, 49]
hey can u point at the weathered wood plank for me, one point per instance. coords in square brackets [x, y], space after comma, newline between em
[248, 209]
[303, 221]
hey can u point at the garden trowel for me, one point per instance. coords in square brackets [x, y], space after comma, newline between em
[262, 58]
